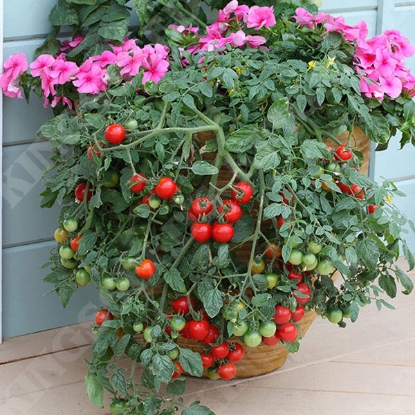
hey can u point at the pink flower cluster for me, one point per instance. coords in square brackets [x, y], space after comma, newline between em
[378, 61]
[231, 26]
[91, 77]
[15, 66]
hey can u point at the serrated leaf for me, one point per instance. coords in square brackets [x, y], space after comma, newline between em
[175, 280]
[404, 280]
[97, 121]
[196, 409]
[388, 284]
[204, 168]
[94, 390]
[162, 367]
[278, 113]
[121, 344]
[119, 382]
[191, 362]
[213, 302]
[189, 101]
[242, 140]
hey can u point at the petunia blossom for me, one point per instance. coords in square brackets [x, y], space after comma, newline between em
[259, 17]
[15, 65]
[42, 64]
[156, 67]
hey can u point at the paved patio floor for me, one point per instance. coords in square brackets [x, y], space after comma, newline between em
[367, 368]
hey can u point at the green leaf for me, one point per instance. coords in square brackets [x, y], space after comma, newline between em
[242, 140]
[204, 168]
[313, 149]
[267, 159]
[162, 367]
[387, 283]
[87, 242]
[116, 12]
[191, 362]
[404, 280]
[114, 30]
[175, 280]
[176, 387]
[97, 121]
[189, 101]
[65, 292]
[63, 14]
[261, 300]
[354, 311]
[244, 228]
[143, 211]
[278, 113]
[119, 382]
[213, 302]
[121, 344]
[196, 409]
[409, 256]
[94, 390]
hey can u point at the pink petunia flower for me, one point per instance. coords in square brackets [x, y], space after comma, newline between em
[10, 86]
[156, 67]
[42, 64]
[259, 17]
[90, 78]
[15, 65]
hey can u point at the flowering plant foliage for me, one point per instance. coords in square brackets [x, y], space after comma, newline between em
[233, 235]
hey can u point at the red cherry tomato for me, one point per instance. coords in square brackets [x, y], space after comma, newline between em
[242, 192]
[282, 314]
[371, 209]
[181, 305]
[287, 332]
[271, 341]
[75, 243]
[198, 330]
[80, 192]
[212, 336]
[138, 182]
[298, 314]
[201, 205]
[93, 151]
[295, 276]
[208, 359]
[221, 351]
[166, 188]
[236, 353]
[146, 269]
[201, 232]
[222, 232]
[303, 289]
[227, 371]
[342, 153]
[178, 370]
[115, 133]
[102, 315]
[357, 191]
[232, 211]
[272, 250]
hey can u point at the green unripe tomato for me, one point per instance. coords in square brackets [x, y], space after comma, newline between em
[296, 257]
[111, 179]
[129, 263]
[82, 277]
[272, 279]
[334, 315]
[325, 267]
[267, 328]
[66, 252]
[108, 282]
[173, 353]
[131, 124]
[138, 327]
[69, 263]
[147, 334]
[314, 247]
[71, 225]
[309, 259]
[123, 284]
[240, 329]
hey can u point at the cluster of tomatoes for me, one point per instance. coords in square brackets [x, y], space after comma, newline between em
[230, 211]
[68, 250]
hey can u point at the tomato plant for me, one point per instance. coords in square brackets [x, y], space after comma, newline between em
[282, 315]
[115, 133]
[305, 291]
[298, 314]
[267, 328]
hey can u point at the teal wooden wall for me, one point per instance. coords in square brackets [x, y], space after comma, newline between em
[28, 230]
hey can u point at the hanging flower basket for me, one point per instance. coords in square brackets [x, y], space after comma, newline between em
[212, 186]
